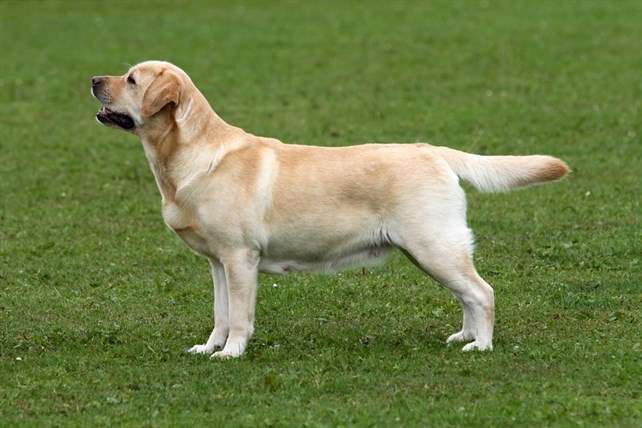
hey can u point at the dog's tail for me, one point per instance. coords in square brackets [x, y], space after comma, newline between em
[501, 173]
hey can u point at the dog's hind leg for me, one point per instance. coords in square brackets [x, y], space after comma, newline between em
[447, 257]
[478, 302]
[435, 236]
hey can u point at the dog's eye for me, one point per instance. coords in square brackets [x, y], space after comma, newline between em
[131, 80]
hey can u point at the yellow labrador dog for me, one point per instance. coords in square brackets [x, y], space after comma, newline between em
[251, 204]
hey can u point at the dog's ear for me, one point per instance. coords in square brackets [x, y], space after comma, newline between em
[164, 89]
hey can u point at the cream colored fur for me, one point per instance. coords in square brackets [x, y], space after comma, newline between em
[251, 204]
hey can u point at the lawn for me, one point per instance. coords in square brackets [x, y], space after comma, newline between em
[99, 300]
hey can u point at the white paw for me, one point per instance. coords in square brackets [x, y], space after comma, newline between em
[459, 337]
[233, 349]
[201, 349]
[476, 345]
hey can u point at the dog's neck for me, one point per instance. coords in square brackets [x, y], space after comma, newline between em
[186, 143]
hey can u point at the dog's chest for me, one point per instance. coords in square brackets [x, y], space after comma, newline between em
[175, 216]
[181, 221]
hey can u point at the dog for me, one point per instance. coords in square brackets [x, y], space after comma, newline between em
[251, 204]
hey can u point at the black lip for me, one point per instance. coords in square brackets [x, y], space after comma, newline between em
[109, 117]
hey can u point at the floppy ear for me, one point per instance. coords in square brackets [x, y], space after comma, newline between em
[164, 89]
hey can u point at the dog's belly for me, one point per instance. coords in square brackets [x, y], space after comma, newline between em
[363, 257]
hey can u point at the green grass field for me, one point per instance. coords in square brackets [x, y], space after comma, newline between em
[99, 300]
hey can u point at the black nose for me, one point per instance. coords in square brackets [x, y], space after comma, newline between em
[96, 81]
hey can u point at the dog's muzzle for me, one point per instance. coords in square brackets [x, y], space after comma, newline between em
[105, 115]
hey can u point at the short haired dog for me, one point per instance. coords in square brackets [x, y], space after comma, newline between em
[252, 204]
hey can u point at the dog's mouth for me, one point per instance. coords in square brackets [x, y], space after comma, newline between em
[109, 117]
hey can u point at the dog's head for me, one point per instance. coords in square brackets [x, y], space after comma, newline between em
[140, 98]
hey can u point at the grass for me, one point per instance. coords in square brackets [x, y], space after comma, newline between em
[98, 300]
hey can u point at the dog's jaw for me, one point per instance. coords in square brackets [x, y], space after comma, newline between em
[109, 117]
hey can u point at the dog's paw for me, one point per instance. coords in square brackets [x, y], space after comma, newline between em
[458, 337]
[477, 346]
[201, 349]
[232, 349]
[215, 342]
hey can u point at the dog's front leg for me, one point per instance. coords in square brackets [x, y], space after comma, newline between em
[221, 320]
[241, 270]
